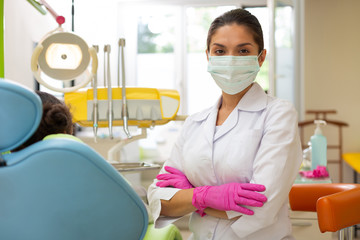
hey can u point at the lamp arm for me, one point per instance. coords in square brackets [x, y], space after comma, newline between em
[59, 19]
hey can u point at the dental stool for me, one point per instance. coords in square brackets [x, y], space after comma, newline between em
[58, 188]
[337, 205]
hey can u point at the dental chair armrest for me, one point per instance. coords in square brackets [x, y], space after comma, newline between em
[339, 210]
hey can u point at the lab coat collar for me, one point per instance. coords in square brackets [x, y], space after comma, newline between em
[208, 118]
[254, 100]
[201, 116]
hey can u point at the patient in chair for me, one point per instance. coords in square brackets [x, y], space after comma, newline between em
[56, 119]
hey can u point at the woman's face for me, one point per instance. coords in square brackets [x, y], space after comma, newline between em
[234, 40]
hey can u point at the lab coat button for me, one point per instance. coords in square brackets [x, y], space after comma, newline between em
[209, 235]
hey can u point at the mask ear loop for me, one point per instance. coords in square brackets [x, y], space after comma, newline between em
[260, 56]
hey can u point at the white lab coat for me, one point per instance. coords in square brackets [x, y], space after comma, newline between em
[258, 143]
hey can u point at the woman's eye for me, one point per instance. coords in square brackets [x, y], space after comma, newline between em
[243, 51]
[219, 52]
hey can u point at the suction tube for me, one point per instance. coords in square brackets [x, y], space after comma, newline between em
[124, 111]
[107, 50]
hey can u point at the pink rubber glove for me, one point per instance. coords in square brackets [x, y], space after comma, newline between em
[229, 196]
[175, 178]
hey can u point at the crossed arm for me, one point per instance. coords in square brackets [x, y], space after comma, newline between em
[181, 204]
[211, 200]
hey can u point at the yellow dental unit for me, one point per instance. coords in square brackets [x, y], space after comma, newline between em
[146, 106]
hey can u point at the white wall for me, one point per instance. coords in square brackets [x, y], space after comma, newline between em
[24, 25]
[332, 72]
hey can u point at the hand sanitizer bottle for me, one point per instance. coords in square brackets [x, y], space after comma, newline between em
[318, 146]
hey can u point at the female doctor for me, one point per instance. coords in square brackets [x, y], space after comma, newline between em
[227, 155]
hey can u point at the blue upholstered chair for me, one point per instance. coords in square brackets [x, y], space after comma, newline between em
[58, 188]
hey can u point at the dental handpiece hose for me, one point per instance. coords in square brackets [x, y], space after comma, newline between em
[110, 103]
[125, 114]
[95, 103]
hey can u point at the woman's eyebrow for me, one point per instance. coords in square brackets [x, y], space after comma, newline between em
[244, 44]
[239, 45]
[219, 45]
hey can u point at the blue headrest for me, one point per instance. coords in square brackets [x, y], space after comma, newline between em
[20, 114]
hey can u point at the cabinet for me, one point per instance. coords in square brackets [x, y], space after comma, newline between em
[305, 227]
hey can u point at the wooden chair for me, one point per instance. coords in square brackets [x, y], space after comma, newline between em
[321, 115]
[336, 204]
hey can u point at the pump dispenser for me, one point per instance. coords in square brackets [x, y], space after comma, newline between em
[318, 146]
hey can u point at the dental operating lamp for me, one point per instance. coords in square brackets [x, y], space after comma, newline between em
[62, 56]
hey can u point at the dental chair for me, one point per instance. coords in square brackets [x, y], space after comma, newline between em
[337, 205]
[58, 188]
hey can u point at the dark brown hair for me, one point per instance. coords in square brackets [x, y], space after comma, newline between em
[240, 17]
[56, 118]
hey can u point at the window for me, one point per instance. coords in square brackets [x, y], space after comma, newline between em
[156, 40]
[168, 49]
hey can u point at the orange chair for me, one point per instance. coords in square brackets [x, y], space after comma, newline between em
[337, 205]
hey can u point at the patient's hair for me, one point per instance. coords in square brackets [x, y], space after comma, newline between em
[56, 118]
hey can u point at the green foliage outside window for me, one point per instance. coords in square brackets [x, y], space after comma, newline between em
[149, 42]
[146, 38]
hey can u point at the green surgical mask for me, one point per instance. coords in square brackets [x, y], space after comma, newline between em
[233, 73]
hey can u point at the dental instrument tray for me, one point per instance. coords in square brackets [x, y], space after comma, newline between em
[134, 166]
[146, 106]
